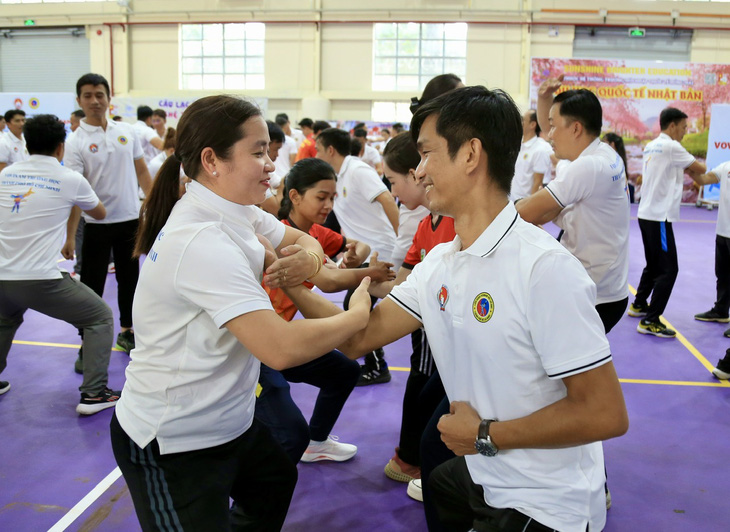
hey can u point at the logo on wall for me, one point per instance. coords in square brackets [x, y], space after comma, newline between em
[93, 148]
[18, 103]
[443, 297]
[34, 103]
[483, 307]
[122, 140]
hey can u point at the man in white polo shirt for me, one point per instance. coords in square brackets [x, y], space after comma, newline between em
[665, 162]
[110, 156]
[533, 167]
[530, 389]
[12, 142]
[152, 143]
[369, 155]
[588, 198]
[288, 150]
[36, 198]
[367, 212]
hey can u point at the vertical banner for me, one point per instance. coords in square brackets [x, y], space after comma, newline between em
[633, 93]
[718, 148]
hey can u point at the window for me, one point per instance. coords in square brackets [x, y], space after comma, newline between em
[222, 56]
[407, 55]
[391, 112]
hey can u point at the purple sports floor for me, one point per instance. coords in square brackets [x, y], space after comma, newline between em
[57, 471]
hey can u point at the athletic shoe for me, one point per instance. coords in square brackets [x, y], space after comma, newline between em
[656, 328]
[638, 311]
[111, 268]
[721, 371]
[401, 471]
[415, 490]
[712, 315]
[92, 404]
[125, 341]
[329, 449]
[608, 499]
[372, 376]
[726, 334]
[4, 387]
[79, 364]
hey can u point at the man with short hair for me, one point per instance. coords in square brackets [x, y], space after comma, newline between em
[110, 156]
[308, 148]
[368, 154]
[665, 162]
[75, 119]
[533, 392]
[12, 142]
[159, 123]
[36, 198]
[533, 165]
[152, 144]
[588, 199]
[288, 151]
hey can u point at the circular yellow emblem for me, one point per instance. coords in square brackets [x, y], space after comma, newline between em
[122, 140]
[483, 307]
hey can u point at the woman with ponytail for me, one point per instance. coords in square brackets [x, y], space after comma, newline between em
[307, 200]
[184, 433]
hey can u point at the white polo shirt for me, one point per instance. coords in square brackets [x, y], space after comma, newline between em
[408, 221]
[282, 163]
[507, 319]
[595, 216]
[36, 197]
[370, 156]
[146, 134]
[663, 179]
[12, 148]
[722, 172]
[191, 383]
[534, 158]
[106, 159]
[360, 216]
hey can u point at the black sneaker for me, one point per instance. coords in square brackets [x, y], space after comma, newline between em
[372, 376]
[79, 364]
[125, 341]
[712, 315]
[656, 328]
[722, 370]
[4, 387]
[726, 334]
[92, 404]
[638, 310]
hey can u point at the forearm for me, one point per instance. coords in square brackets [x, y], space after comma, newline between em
[337, 279]
[73, 222]
[311, 305]
[362, 251]
[536, 182]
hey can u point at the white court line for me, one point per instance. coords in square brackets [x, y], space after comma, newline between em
[87, 501]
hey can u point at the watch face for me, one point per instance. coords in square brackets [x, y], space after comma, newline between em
[485, 447]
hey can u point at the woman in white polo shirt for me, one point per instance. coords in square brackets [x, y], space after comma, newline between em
[184, 434]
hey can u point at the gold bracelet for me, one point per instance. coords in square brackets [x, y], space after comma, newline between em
[318, 260]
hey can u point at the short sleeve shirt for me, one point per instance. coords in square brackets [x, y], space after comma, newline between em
[429, 235]
[36, 197]
[146, 134]
[534, 158]
[106, 159]
[664, 163]
[12, 148]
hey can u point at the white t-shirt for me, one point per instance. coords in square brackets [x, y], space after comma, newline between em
[370, 156]
[507, 319]
[534, 158]
[663, 180]
[191, 384]
[12, 148]
[408, 221]
[722, 172]
[106, 159]
[595, 216]
[36, 197]
[283, 161]
[360, 216]
[145, 134]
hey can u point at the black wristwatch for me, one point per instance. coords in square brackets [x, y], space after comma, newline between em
[484, 444]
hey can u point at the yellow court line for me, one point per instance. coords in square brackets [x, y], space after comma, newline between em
[690, 221]
[49, 344]
[720, 384]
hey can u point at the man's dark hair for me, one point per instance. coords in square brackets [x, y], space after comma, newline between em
[92, 79]
[668, 116]
[355, 147]
[117, 118]
[43, 134]
[385, 130]
[281, 119]
[583, 106]
[477, 112]
[144, 112]
[9, 115]
[276, 134]
[161, 113]
[306, 122]
[359, 125]
[320, 125]
[79, 113]
[533, 118]
[339, 139]
[398, 127]
[361, 134]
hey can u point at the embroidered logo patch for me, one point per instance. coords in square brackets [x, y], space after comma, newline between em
[344, 192]
[122, 140]
[443, 297]
[93, 148]
[483, 307]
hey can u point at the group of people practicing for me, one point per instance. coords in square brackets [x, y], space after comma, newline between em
[506, 403]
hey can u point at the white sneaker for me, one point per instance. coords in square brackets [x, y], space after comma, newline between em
[329, 449]
[415, 490]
